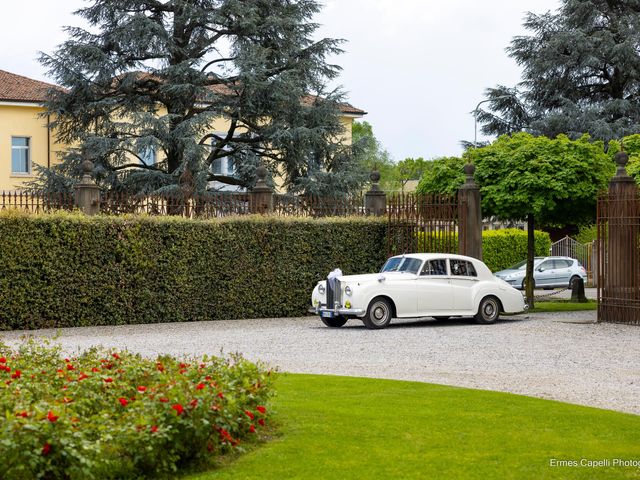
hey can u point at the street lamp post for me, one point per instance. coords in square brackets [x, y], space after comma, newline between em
[475, 116]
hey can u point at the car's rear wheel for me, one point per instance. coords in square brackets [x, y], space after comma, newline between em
[489, 310]
[378, 314]
[334, 322]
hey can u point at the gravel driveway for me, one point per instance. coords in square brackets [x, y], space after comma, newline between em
[564, 356]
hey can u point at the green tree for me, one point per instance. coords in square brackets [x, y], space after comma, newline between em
[581, 74]
[442, 175]
[548, 181]
[410, 169]
[371, 155]
[149, 75]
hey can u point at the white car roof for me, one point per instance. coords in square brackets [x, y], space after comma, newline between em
[432, 256]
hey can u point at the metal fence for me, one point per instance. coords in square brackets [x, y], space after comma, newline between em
[583, 252]
[35, 202]
[317, 206]
[619, 258]
[423, 223]
[214, 205]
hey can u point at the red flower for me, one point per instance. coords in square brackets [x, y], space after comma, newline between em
[178, 408]
[200, 386]
[261, 422]
[194, 403]
[207, 378]
[160, 367]
[46, 449]
[249, 414]
[142, 389]
[22, 414]
[261, 409]
[182, 371]
[51, 417]
[164, 399]
[154, 428]
[70, 367]
[116, 356]
[123, 401]
[183, 365]
[82, 376]
[3, 360]
[16, 374]
[95, 370]
[220, 395]
[108, 379]
[252, 429]
[202, 365]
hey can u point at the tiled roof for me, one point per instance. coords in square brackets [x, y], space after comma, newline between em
[16, 88]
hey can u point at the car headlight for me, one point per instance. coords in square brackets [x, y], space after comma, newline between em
[348, 291]
[321, 289]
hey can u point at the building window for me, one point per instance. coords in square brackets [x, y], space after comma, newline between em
[20, 155]
[223, 166]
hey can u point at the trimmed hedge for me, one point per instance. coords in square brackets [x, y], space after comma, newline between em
[67, 269]
[503, 248]
[500, 248]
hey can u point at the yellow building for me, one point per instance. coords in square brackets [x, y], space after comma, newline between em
[26, 139]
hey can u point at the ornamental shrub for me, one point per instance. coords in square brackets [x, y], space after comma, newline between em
[115, 415]
[66, 269]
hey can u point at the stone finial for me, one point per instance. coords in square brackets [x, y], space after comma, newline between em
[87, 169]
[469, 170]
[621, 175]
[261, 183]
[261, 173]
[374, 176]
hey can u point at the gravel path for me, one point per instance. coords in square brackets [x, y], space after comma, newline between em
[564, 356]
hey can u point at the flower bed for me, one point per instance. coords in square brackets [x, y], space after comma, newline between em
[108, 414]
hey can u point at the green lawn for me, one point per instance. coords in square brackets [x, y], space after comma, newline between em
[353, 428]
[563, 306]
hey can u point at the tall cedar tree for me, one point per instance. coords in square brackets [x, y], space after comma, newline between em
[581, 74]
[158, 76]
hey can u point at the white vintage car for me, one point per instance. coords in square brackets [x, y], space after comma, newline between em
[416, 285]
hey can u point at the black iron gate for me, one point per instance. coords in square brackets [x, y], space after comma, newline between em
[424, 223]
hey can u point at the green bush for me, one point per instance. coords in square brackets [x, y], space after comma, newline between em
[65, 270]
[500, 248]
[503, 248]
[115, 415]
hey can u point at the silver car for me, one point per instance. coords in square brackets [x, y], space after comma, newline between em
[548, 272]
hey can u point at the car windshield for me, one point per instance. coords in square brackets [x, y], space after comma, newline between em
[402, 264]
[523, 264]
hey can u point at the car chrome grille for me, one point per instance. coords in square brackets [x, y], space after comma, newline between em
[334, 292]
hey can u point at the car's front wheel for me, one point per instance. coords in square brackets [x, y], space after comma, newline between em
[334, 322]
[378, 314]
[489, 310]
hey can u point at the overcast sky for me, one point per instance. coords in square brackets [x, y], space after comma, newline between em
[419, 67]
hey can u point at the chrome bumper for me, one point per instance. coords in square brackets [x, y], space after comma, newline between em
[333, 312]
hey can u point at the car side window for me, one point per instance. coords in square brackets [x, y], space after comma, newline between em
[435, 267]
[548, 265]
[463, 268]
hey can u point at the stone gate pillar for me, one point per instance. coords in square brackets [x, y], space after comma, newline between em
[375, 200]
[619, 299]
[469, 216]
[87, 193]
[261, 196]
